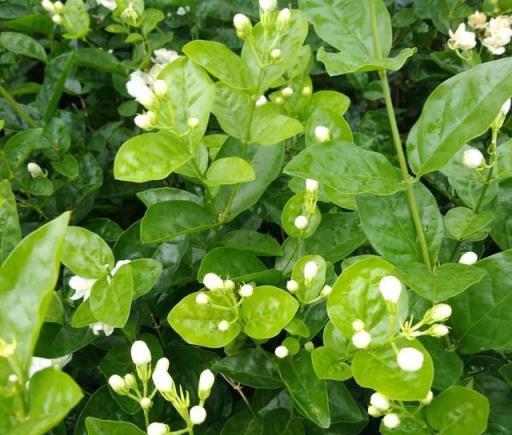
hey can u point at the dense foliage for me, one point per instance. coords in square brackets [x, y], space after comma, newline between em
[240, 217]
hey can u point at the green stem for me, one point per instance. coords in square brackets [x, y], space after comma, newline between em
[413, 207]
[19, 110]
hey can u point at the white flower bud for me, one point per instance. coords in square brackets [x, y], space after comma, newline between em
[223, 325]
[48, 6]
[268, 5]
[440, 312]
[361, 339]
[213, 282]
[163, 381]
[276, 54]
[160, 87]
[379, 401]
[158, 429]
[261, 101]
[391, 421]
[326, 291]
[13, 379]
[287, 92]
[390, 288]
[35, 170]
[140, 352]
[439, 330]
[145, 403]
[57, 19]
[229, 285]
[283, 18]
[310, 270]
[358, 325]
[118, 384]
[202, 299]
[301, 222]
[410, 359]
[373, 411]
[197, 414]
[162, 365]
[118, 266]
[506, 107]
[292, 285]
[428, 400]
[477, 20]
[311, 185]
[309, 346]
[246, 291]
[281, 352]
[322, 134]
[130, 380]
[59, 6]
[206, 381]
[145, 121]
[193, 122]
[242, 24]
[307, 91]
[473, 158]
[468, 258]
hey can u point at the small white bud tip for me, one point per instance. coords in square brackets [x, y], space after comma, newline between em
[410, 359]
[158, 429]
[57, 19]
[242, 23]
[468, 258]
[307, 91]
[292, 286]
[390, 288]
[439, 330]
[428, 400]
[301, 222]
[261, 101]
[473, 158]
[281, 352]
[13, 378]
[311, 185]
[202, 299]
[197, 414]
[309, 346]
[246, 291]
[145, 403]
[213, 282]
[326, 291]
[276, 54]
[48, 6]
[322, 134]
[206, 380]
[310, 270]
[506, 107]
[373, 411]
[130, 380]
[283, 18]
[193, 122]
[268, 5]
[358, 325]
[229, 285]
[391, 421]
[140, 352]
[145, 121]
[117, 383]
[160, 87]
[380, 402]
[361, 339]
[287, 92]
[59, 6]
[162, 365]
[440, 312]
[35, 170]
[223, 325]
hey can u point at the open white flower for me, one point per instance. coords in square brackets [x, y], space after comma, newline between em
[281, 352]
[141, 355]
[37, 364]
[390, 288]
[197, 414]
[101, 327]
[118, 266]
[477, 20]
[473, 158]
[109, 4]
[81, 286]
[461, 39]
[361, 339]
[468, 258]
[498, 34]
[163, 56]
[410, 359]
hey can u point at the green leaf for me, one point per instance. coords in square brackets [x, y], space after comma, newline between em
[233, 109]
[445, 282]
[308, 392]
[170, 219]
[252, 241]
[356, 296]
[328, 364]
[198, 324]
[111, 298]
[504, 160]
[145, 274]
[269, 127]
[252, 367]
[229, 263]
[10, 231]
[346, 168]
[267, 312]
[27, 279]
[229, 170]
[86, 254]
[338, 127]
[51, 394]
[280, 422]
[75, 19]
[460, 109]
[308, 291]
[378, 369]
[57, 340]
[464, 224]
[242, 423]
[95, 426]
[330, 100]
[481, 318]
[220, 62]
[161, 194]
[23, 44]
[381, 216]
[458, 411]
[295, 207]
[448, 365]
[150, 156]
[501, 230]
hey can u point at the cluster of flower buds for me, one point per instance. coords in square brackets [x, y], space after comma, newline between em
[165, 385]
[361, 338]
[438, 313]
[55, 9]
[301, 222]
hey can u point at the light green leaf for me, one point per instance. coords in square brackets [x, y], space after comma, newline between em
[145, 274]
[269, 127]
[150, 156]
[308, 291]
[464, 224]
[75, 19]
[295, 207]
[327, 117]
[229, 170]
[460, 109]
[328, 364]
[95, 426]
[23, 44]
[346, 168]
[229, 263]
[10, 231]
[233, 109]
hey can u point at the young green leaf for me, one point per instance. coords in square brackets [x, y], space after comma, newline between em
[10, 231]
[229, 170]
